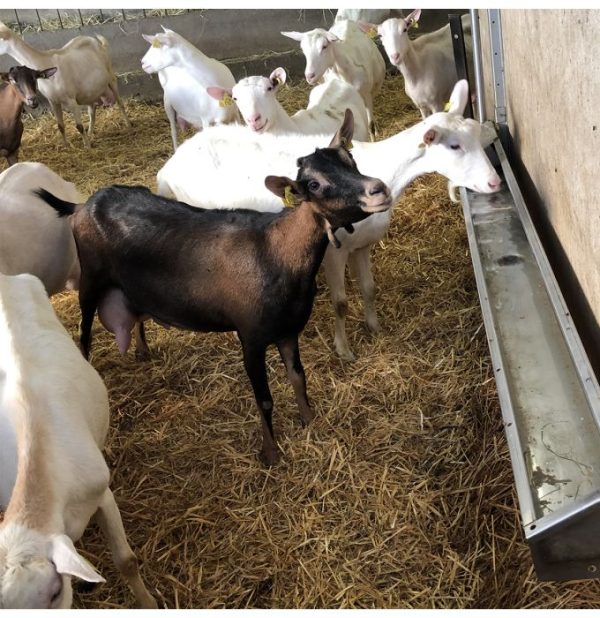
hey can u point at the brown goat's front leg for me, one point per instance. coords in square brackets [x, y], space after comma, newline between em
[290, 355]
[254, 362]
[142, 351]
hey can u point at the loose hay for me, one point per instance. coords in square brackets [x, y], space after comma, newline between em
[400, 494]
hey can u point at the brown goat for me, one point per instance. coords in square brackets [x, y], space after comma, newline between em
[21, 89]
[222, 270]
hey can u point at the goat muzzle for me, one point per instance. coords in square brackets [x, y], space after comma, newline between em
[377, 197]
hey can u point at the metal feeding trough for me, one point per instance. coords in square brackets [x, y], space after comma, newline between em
[549, 395]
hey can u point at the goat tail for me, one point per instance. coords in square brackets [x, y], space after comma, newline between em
[103, 41]
[63, 209]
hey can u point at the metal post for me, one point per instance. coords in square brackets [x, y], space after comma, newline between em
[497, 66]
[18, 21]
[460, 55]
[477, 66]
[80, 17]
[39, 19]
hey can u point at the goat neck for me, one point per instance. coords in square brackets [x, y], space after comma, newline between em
[25, 54]
[397, 160]
[299, 239]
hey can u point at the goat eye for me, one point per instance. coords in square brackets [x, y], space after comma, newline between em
[455, 146]
[313, 185]
[324, 48]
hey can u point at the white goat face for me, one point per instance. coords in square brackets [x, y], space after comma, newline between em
[394, 38]
[453, 149]
[36, 570]
[5, 38]
[33, 583]
[160, 55]
[255, 98]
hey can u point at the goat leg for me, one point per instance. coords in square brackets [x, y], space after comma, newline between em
[332, 239]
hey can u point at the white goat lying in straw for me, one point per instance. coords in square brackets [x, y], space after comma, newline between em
[224, 167]
[184, 73]
[84, 76]
[53, 423]
[256, 98]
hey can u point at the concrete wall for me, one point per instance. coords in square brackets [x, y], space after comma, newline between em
[552, 77]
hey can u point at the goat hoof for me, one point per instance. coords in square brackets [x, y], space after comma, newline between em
[346, 355]
[269, 458]
[143, 355]
[374, 327]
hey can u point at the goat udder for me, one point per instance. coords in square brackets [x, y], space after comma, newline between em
[116, 317]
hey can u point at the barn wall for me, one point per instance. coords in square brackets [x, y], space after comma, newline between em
[552, 77]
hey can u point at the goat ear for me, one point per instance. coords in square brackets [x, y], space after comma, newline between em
[432, 136]
[67, 561]
[459, 97]
[368, 28]
[331, 37]
[344, 134]
[148, 37]
[413, 17]
[45, 73]
[278, 77]
[285, 188]
[216, 92]
[297, 36]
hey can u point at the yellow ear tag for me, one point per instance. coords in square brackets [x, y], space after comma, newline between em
[225, 100]
[414, 24]
[156, 43]
[372, 33]
[422, 145]
[447, 106]
[289, 199]
[348, 145]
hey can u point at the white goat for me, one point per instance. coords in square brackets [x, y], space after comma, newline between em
[370, 15]
[84, 76]
[346, 52]
[426, 63]
[53, 423]
[256, 99]
[225, 168]
[185, 73]
[33, 240]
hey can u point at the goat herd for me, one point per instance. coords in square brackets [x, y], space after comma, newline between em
[227, 256]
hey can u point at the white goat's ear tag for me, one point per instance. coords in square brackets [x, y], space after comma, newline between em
[225, 100]
[289, 199]
[156, 43]
[422, 145]
[414, 24]
[372, 32]
[447, 106]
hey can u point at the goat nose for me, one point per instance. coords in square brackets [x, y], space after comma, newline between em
[395, 57]
[378, 187]
[309, 76]
[495, 182]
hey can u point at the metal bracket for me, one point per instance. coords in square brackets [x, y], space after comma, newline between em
[495, 25]
[477, 66]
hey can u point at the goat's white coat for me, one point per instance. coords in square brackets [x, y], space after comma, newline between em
[343, 51]
[225, 167]
[84, 77]
[185, 73]
[256, 99]
[53, 423]
[32, 238]
[426, 63]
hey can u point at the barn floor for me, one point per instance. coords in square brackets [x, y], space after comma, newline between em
[399, 495]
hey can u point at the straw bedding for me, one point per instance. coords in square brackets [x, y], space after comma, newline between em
[400, 494]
